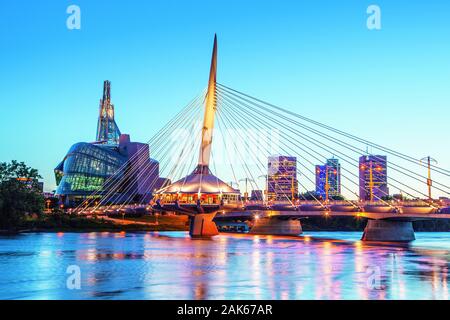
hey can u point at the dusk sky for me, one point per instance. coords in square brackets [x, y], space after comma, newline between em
[317, 58]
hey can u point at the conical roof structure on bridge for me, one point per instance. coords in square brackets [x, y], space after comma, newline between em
[199, 182]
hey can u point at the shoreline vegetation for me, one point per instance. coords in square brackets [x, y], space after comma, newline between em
[68, 223]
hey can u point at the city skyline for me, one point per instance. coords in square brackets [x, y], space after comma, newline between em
[243, 152]
[108, 134]
[146, 86]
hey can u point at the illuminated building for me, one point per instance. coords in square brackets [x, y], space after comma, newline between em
[373, 178]
[201, 185]
[107, 130]
[32, 183]
[328, 176]
[282, 178]
[87, 166]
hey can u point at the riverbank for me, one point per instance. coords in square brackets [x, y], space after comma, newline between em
[66, 223]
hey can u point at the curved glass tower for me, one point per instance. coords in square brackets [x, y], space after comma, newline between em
[86, 168]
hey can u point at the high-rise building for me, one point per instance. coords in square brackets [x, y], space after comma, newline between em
[373, 178]
[282, 181]
[328, 176]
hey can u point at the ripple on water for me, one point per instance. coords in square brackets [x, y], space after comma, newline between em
[169, 265]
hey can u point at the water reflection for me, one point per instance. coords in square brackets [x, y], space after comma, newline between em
[169, 265]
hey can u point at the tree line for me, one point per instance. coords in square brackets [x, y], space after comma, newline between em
[20, 195]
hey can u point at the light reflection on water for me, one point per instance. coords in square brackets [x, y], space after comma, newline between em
[169, 265]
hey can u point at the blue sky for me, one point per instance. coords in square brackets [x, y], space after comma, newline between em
[315, 57]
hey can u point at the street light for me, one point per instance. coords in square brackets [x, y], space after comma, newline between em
[371, 184]
[234, 183]
[247, 180]
[429, 160]
[327, 181]
[48, 202]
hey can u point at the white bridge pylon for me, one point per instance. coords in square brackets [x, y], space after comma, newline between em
[201, 194]
[210, 110]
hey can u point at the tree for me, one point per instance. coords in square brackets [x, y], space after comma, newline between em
[310, 196]
[19, 194]
[337, 197]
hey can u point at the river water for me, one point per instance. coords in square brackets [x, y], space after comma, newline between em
[170, 265]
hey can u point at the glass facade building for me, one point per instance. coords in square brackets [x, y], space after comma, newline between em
[112, 165]
[373, 178]
[86, 168]
[107, 169]
[328, 176]
[282, 181]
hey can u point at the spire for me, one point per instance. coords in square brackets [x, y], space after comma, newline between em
[210, 109]
[107, 130]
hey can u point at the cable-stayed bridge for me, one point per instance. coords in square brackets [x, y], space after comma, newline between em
[221, 146]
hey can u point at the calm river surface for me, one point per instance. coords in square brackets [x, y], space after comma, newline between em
[169, 265]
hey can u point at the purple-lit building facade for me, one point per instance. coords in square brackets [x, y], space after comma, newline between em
[332, 168]
[282, 181]
[373, 178]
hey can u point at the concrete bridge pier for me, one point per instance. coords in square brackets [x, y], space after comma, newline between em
[276, 226]
[388, 230]
[202, 225]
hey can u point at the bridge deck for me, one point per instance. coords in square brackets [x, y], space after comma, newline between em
[306, 214]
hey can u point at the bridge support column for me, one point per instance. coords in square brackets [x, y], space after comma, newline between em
[276, 226]
[388, 230]
[203, 226]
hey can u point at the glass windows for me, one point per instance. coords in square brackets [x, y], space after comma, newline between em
[87, 167]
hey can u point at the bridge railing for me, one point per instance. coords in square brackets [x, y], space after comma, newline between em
[399, 203]
[300, 202]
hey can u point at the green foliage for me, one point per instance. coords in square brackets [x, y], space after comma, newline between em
[19, 194]
[310, 196]
[337, 197]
